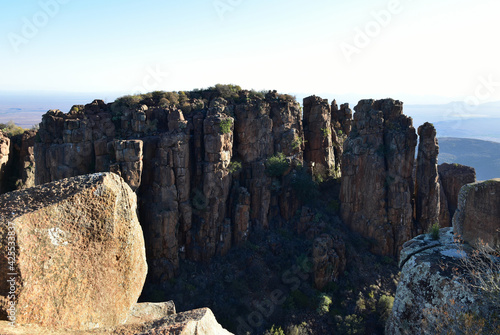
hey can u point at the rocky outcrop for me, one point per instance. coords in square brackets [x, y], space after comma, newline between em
[197, 164]
[144, 319]
[76, 255]
[328, 259]
[4, 158]
[428, 287]
[427, 189]
[477, 218]
[453, 177]
[318, 135]
[377, 184]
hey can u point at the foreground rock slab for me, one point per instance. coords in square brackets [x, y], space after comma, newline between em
[77, 254]
[431, 296]
[163, 321]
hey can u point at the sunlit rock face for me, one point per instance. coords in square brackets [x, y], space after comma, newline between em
[77, 253]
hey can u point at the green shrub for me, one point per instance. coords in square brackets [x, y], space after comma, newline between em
[297, 144]
[434, 231]
[324, 304]
[11, 129]
[228, 91]
[277, 165]
[274, 331]
[226, 126]
[234, 166]
[384, 307]
[326, 132]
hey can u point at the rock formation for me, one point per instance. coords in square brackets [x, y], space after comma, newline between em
[318, 135]
[427, 189]
[477, 218]
[4, 158]
[77, 251]
[428, 287]
[453, 177]
[197, 163]
[377, 185]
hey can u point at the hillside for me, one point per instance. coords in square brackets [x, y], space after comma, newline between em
[484, 156]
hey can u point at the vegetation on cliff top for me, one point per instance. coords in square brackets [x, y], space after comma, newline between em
[197, 99]
[11, 129]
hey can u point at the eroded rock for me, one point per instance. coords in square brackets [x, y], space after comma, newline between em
[377, 184]
[428, 287]
[427, 202]
[453, 177]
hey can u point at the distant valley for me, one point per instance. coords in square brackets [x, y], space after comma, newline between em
[484, 156]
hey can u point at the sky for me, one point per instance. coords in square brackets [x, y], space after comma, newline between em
[425, 51]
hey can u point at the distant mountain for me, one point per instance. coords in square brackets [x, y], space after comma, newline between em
[484, 156]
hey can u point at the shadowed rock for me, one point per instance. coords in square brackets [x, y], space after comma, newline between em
[477, 217]
[377, 184]
[427, 204]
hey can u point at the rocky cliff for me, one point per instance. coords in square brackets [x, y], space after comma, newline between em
[377, 184]
[198, 162]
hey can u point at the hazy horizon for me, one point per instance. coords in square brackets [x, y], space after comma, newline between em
[403, 49]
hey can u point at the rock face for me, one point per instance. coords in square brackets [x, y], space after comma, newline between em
[318, 135]
[477, 217]
[453, 177]
[428, 286]
[197, 163]
[427, 200]
[377, 184]
[4, 158]
[79, 255]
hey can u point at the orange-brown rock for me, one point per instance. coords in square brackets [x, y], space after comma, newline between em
[477, 218]
[4, 158]
[377, 184]
[427, 187]
[453, 177]
[76, 253]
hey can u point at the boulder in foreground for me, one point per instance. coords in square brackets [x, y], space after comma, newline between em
[77, 256]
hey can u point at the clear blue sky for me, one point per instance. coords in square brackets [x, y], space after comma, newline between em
[423, 50]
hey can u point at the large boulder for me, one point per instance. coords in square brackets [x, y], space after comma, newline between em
[429, 296]
[477, 218]
[75, 251]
